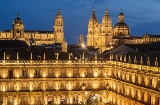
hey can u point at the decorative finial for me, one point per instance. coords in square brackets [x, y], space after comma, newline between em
[125, 58]
[59, 12]
[116, 57]
[44, 56]
[156, 62]
[95, 57]
[93, 12]
[129, 59]
[135, 59]
[4, 55]
[31, 56]
[141, 62]
[148, 61]
[120, 57]
[17, 56]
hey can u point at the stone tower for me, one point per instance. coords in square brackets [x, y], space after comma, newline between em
[93, 30]
[99, 35]
[18, 28]
[106, 26]
[106, 31]
[58, 28]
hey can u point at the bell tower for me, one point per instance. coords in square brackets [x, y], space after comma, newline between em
[93, 31]
[58, 28]
[18, 28]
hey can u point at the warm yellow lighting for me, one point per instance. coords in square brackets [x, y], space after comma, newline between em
[105, 101]
[31, 75]
[4, 89]
[17, 75]
[70, 74]
[44, 75]
[31, 88]
[57, 86]
[15, 102]
[69, 86]
[17, 88]
[83, 45]
[114, 86]
[4, 75]
[95, 74]
[86, 93]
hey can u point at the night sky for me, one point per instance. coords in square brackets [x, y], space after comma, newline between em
[141, 15]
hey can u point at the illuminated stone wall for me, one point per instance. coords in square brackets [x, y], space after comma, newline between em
[73, 81]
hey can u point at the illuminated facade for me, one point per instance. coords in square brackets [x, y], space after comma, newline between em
[33, 36]
[101, 35]
[85, 82]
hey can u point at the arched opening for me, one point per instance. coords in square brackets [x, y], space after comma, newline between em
[95, 99]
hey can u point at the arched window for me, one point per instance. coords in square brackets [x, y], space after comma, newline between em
[18, 30]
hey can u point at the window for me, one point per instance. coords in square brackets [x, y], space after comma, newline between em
[37, 73]
[24, 73]
[10, 73]
[18, 30]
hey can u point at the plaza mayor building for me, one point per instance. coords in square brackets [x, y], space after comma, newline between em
[60, 79]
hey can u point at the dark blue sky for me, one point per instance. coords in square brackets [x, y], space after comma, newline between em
[141, 15]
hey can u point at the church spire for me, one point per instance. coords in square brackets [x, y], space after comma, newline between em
[59, 12]
[93, 12]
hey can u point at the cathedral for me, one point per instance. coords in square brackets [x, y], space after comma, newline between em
[101, 35]
[36, 37]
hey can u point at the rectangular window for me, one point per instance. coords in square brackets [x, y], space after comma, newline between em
[37, 73]
[10, 74]
[24, 73]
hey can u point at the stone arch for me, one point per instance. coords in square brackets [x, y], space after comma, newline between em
[95, 93]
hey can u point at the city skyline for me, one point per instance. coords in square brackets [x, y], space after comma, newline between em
[141, 17]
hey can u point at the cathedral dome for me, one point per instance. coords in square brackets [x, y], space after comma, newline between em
[121, 25]
[121, 28]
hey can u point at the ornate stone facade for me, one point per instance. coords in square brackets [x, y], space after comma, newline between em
[34, 36]
[121, 29]
[100, 35]
[75, 82]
